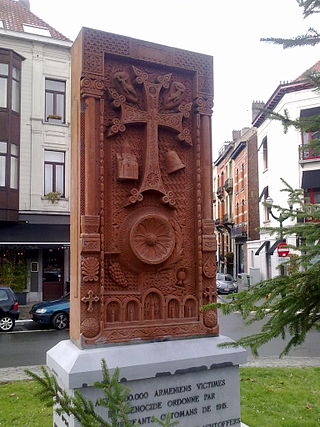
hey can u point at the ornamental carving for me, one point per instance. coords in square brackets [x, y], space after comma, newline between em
[141, 223]
[152, 239]
[90, 269]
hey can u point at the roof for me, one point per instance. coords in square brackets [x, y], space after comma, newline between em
[14, 15]
[314, 69]
[300, 83]
[277, 95]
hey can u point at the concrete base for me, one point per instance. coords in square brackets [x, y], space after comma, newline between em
[193, 379]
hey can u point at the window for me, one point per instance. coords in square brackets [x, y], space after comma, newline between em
[14, 166]
[265, 153]
[4, 72]
[3, 157]
[15, 96]
[54, 165]
[55, 101]
[266, 209]
[5, 150]
[36, 30]
[314, 195]
[1, 24]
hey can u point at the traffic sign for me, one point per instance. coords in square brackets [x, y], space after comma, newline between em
[283, 249]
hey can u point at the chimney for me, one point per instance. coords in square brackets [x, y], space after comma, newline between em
[236, 135]
[25, 3]
[256, 105]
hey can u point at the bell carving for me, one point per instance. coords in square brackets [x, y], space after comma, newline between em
[173, 162]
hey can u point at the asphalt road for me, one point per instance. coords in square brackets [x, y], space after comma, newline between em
[27, 345]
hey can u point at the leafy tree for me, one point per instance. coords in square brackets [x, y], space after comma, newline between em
[290, 303]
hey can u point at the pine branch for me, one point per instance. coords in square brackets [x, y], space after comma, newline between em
[309, 7]
[289, 304]
[311, 38]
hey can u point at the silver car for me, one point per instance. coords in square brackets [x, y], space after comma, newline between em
[226, 284]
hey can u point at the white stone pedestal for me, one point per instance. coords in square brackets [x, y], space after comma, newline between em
[193, 379]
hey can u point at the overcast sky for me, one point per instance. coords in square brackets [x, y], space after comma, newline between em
[245, 69]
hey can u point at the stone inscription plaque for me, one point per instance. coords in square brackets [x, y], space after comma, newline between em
[195, 399]
[143, 246]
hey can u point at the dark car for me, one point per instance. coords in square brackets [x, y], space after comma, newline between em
[9, 309]
[226, 284]
[52, 313]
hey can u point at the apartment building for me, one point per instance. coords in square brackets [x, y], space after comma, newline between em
[236, 207]
[290, 156]
[34, 149]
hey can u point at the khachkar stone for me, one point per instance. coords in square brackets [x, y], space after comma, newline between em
[142, 228]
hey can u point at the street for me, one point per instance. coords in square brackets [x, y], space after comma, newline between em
[27, 344]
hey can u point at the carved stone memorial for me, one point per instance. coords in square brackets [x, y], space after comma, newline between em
[143, 251]
[142, 227]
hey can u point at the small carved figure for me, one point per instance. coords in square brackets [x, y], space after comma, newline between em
[181, 277]
[127, 164]
[174, 96]
[124, 85]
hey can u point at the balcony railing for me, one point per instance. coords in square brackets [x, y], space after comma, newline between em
[228, 185]
[310, 151]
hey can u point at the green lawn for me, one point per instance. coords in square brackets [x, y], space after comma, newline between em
[270, 397]
[280, 397]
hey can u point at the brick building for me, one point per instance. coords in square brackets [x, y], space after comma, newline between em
[236, 190]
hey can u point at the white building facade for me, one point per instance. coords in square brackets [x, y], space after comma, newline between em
[282, 156]
[35, 94]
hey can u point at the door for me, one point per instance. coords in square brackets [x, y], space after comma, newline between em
[53, 274]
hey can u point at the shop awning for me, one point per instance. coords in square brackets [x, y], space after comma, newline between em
[264, 193]
[34, 234]
[274, 247]
[310, 179]
[265, 244]
[309, 112]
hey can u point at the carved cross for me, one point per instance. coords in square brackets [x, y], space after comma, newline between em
[153, 119]
[90, 299]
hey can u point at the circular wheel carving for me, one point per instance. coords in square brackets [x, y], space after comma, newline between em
[152, 239]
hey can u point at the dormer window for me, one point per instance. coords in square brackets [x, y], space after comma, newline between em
[40, 31]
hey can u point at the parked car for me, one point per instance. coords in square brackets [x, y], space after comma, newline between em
[226, 284]
[9, 309]
[52, 313]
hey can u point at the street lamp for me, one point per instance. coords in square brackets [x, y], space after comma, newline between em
[281, 218]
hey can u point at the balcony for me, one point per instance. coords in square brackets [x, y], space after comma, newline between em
[220, 192]
[228, 185]
[239, 230]
[309, 152]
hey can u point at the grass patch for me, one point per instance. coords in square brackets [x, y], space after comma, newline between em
[280, 397]
[270, 397]
[19, 407]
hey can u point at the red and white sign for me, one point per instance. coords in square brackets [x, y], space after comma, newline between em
[282, 249]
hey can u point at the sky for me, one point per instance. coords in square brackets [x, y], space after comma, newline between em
[245, 69]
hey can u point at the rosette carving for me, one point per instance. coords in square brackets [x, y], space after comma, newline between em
[152, 239]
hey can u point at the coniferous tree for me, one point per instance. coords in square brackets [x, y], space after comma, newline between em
[290, 303]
